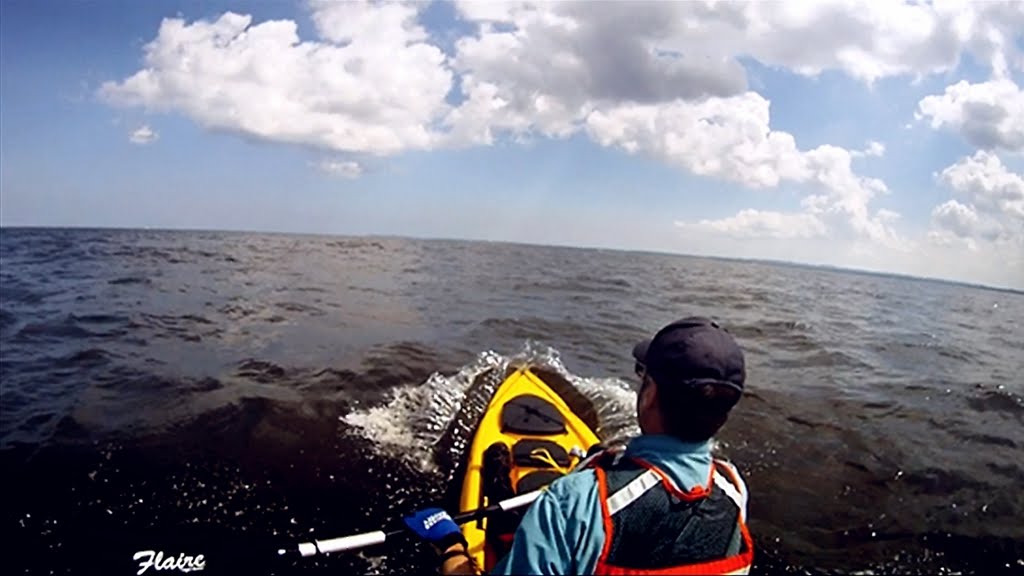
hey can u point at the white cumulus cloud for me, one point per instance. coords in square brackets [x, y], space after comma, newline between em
[143, 135]
[544, 67]
[731, 139]
[681, 49]
[873, 149]
[759, 224]
[991, 217]
[989, 114]
[344, 168]
[987, 183]
[378, 92]
[875, 40]
[962, 220]
[726, 138]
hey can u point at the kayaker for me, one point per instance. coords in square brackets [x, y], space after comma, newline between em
[660, 504]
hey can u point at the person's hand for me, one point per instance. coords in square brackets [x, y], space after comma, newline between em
[436, 527]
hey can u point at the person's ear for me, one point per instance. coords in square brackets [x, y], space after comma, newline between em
[647, 412]
[648, 395]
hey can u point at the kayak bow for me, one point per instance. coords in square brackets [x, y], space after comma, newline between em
[543, 440]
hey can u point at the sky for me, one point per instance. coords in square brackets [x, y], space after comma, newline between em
[879, 135]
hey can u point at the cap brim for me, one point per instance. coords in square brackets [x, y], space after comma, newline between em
[640, 350]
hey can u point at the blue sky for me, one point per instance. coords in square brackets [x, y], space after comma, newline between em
[878, 136]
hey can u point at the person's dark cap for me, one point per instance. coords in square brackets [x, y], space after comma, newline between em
[692, 351]
[640, 351]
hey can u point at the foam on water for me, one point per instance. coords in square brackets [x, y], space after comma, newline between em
[615, 403]
[413, 416]
[417, 422]
[375, 564]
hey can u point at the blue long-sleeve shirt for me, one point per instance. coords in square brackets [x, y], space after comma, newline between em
[563, 532]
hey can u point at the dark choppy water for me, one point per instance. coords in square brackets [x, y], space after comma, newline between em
[265, 389]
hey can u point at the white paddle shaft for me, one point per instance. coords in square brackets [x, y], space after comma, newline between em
[343, 543]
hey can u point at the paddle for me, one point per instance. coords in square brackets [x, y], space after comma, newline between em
[357, 541]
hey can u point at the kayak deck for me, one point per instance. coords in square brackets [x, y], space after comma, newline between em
[543, 439]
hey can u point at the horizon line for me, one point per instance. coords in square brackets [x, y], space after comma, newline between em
[771, 261]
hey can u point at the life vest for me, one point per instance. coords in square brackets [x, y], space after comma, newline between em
[651, 526]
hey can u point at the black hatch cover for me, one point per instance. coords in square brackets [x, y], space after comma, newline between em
[529, 414]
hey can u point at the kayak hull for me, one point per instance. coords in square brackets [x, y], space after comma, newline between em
[545, 439]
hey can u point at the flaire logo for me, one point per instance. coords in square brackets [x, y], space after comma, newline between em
[157, 561]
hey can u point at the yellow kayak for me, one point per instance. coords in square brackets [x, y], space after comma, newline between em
[530, 428]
